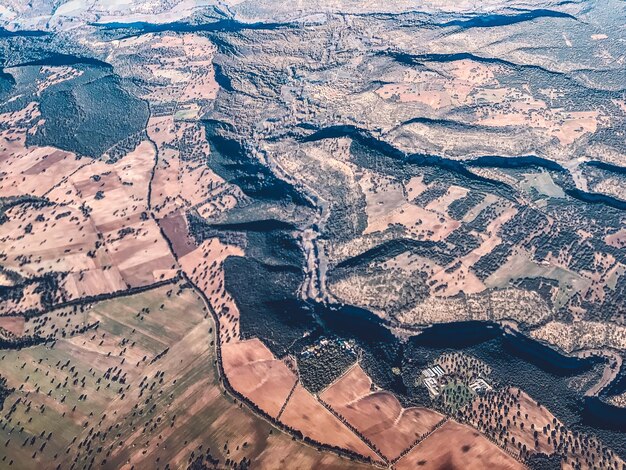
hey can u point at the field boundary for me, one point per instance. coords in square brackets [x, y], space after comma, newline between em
[420, 439]
[282, 408]
[343, 374]
[354, 430]
[32, 313]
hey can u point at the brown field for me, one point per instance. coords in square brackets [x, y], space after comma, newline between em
[142, 252]
[178, 183]
[95, 229]
[93, 282]
[48, 164]
[491, 412]
[388, 202]
[618, 239]
[456, 446]
[435, 90]
[567, 127]
[204, 266]
[14, 325]
[54, 75]
[523, 427]
[434, 226]
[175, 228]
[253, 371]
[351, 386]
[379, 416]
[307, 415]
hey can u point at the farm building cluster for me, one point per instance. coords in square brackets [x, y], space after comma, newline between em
[435, 379]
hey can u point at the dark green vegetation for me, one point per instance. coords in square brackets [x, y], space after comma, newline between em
[7, 203]
[6, 83]
[5, 391]
[455, 395]
[321, 366]
[90, 117]
[544, 462]
[270, 310]
[460, 207]
[231, 160]
[88, 114]
[273, 313]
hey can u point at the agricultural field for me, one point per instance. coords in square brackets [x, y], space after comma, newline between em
[140, 387]
[378, 415]
[454, 445]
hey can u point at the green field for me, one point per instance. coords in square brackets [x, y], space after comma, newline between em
[141, 389]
